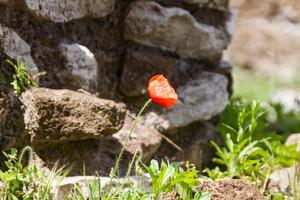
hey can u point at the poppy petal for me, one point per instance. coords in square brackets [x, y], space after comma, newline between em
[161, 92]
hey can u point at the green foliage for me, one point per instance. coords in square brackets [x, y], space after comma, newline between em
[168, 177]
[25, 182]
[94, 190]
[130, 193]
[276, 196]
[21, 79]
[165, 179]
[250, 151]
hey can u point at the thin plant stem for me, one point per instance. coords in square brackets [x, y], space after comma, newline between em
[128, 138]
[266, 181]
[135, 156]
[131, 164]
[30, 159]
[30, 152]
[178, 148]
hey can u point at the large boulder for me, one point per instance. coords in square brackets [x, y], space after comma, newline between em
[173, 29]
[63, 115]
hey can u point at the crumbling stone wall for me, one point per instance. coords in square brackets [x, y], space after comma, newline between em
[112, 48]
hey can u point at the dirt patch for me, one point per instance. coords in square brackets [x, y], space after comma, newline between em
[232, 189]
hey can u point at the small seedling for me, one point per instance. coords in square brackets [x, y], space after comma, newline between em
[22, 80]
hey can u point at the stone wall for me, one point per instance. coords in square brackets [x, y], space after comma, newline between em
[111, 48]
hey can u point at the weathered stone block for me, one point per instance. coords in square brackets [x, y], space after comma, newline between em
[62, 115]
[65, 10]
[82, 64]
[15, 47]
[173, 29]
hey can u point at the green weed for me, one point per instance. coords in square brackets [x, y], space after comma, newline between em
[26, 182]
[168, 177]
[22, 80]
[249, 151]
[165, 179]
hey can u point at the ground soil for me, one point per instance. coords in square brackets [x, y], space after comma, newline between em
[232, 189]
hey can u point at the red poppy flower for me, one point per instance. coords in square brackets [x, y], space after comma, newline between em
[161, 92]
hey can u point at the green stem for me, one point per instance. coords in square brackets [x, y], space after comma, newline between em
[117, 165]
[30, 158]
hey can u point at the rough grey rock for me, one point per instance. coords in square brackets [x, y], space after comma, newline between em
[143, 138]
[15, 47]
[286, 180]
[66, 10]
[173, 29]
[199, 100]
[64, 115]
[82, 63]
